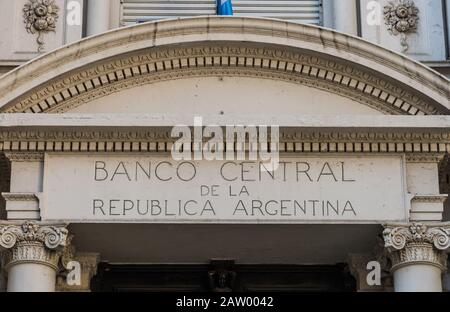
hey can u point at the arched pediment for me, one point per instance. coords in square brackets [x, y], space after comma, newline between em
[148, 53]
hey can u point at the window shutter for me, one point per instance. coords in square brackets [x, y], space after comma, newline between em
[301, 11]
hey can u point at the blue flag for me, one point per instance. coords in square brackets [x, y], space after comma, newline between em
[224, 7]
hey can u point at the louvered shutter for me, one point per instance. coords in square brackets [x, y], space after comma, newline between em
[301, 11]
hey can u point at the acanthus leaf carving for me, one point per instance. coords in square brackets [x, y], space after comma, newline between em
[32, 242]
[52, 237]
[417, 243]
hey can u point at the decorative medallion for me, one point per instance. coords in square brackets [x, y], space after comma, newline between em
[401, 18]
[40, 17]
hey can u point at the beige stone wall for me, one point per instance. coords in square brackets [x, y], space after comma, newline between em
[225, 95]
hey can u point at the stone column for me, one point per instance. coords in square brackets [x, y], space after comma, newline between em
[418, 255]
[98, 15]
[31, 254]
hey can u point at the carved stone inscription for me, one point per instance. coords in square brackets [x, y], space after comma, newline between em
[128, 188]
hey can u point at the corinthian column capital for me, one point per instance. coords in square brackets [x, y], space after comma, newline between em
[417, 243]
[32, 243]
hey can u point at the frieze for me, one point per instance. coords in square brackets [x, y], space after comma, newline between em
[401, 18]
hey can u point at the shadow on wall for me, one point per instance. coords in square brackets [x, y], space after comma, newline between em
[446, 279]
[444, 184]
[5, 69]
[447, 211]
[445, 189]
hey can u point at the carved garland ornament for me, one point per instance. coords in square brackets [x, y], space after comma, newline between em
[401, 17]
[40, 16]
[417, 243]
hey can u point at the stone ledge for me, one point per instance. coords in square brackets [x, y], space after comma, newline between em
[10, 122]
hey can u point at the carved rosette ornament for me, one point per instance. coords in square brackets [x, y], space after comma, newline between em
[417, 243]
[401, 17]
[40, 17]
[32, 243]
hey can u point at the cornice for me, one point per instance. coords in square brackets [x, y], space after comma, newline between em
[9, 197]
[26, 137]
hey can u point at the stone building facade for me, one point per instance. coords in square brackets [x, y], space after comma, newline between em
[93, 199]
